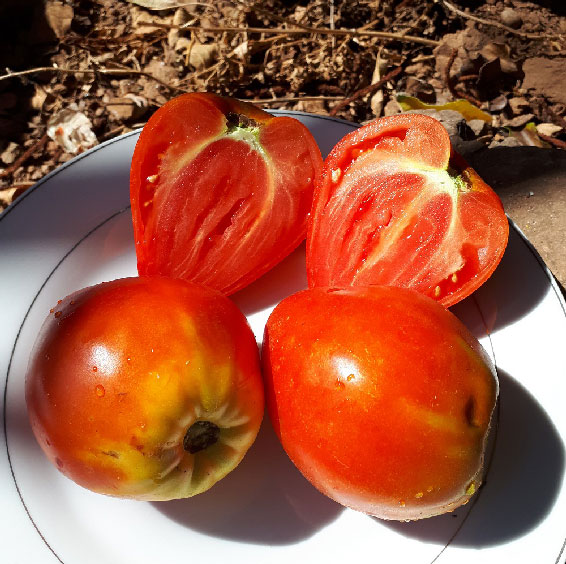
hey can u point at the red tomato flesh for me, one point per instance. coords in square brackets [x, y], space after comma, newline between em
[381, 397]
[220, 190]
[394, 205]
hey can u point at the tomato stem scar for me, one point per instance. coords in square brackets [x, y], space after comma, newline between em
[235, 120]
[200, 435]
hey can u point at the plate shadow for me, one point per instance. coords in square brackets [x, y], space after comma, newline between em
[265, 500]
[522, 482]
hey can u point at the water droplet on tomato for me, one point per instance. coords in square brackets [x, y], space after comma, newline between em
[340, 385]
[418, 495]
[454, 278]
[402, 503]
[51, 310]
[350, 377]
[100, 391]
[58, 314]
[437, 291]
[94, 368]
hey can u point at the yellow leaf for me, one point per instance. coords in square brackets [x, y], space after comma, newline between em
[467, 109]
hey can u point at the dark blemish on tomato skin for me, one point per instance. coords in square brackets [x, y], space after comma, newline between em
[470, 412]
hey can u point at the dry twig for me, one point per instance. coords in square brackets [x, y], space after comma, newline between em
[558, 143]
[63, 70]
[367, 90]
[302, 31]
[291, 99]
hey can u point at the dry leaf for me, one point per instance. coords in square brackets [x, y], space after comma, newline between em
[202, 56]
[376, 101]
[59, 17]
[465, 108]
[161, 4]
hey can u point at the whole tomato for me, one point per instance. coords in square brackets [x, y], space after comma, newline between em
[146, 388]
[381, 397]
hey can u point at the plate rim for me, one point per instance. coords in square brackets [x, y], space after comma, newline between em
[554, 283]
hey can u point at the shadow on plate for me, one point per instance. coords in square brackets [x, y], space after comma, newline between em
[517, 286]
[522, 482]
[265, 500]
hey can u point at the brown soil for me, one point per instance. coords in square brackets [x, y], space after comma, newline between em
[106, 65]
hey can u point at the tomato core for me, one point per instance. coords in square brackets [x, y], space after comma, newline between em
[200, 435]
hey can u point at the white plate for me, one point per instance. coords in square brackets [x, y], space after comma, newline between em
[73, 229]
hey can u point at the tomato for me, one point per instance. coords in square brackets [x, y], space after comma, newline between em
[220, 190]
[145, 388]
[381, 397]
[396, 206]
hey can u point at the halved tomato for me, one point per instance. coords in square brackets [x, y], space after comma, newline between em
[220, 190]
[396, 206]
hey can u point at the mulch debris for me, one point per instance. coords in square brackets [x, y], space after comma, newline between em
[75, 73]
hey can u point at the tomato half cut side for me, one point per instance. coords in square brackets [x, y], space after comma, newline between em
[220, 190]
[396, 206]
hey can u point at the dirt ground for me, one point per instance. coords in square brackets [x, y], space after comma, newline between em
[74, 73]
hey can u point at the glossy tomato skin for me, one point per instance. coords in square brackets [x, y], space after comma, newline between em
[220, 190]
[395, 205]
[122, 370]
[381, 397]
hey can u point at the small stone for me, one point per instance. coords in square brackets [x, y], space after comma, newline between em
[519, 121]
[549, 129]
[498, 104]
[511, 18]
[506, 142]
[478, 126]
